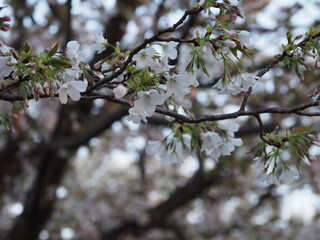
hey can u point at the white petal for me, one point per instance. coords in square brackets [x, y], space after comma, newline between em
[73, 46]
[120, 91]
[74, 94]
[63, 96]
[80, 86]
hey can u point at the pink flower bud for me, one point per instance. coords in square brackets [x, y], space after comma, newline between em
[5, 29]
[5, 19]
[230, 33]
[97, 65]
[46, 85]
[311, 159]
[37, 86]
[31, 64]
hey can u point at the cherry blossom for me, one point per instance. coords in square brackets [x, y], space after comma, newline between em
[73, 54]
[258, 166]
[100, 43]
[176, 90]
[227, 88]
[268, 178]
[73, 89]
[289, 174]
[215, 146]
[171, 149]
[230, 125]
[120, 91]
[244, 37]
[242, 83]
[162, 66]
[71, 74]
[246, 80]
[145, 105]
[178, 86]
[144, 58]
[169, 50]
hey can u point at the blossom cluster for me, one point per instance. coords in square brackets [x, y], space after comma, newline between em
[156, 64]
[275, 171]
[71, 86]
[215, 144]
[241, 83]
[151, 81]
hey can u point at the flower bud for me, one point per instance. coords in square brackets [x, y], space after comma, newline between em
[31, 64]
[230, 43]
[230, 33]
[201, 2]
[5, 19]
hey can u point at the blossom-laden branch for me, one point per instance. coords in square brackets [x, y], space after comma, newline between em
[145, 76]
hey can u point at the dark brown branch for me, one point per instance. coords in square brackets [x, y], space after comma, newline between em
[183, 118]
[143, 45]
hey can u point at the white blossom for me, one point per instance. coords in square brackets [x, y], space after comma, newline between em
[230, 125]
[162, 65]
[227, 88]
[187, 79]
[244, 37]
[73, 53]
[258, 166]
[171, 149]
[241, 83]
[178, 86]
[73, 89]
[144, 58]
[212, 143]
[246, 80]
[231, 145]
[268, 178]
[100, 43]
[71, 74]
[169, 50]
[145, 105]
[289, 175]
[269, 172]
[215, 146]
[176, 90]
[120, 91]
